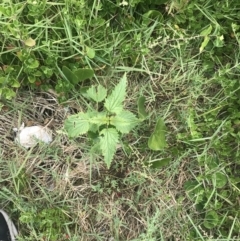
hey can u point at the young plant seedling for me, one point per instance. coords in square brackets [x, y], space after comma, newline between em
[107, 124]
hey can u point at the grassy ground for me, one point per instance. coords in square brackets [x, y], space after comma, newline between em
[183, 57]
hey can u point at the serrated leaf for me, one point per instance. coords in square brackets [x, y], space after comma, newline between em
[141, 108]
[113, 102]
[108, 144]
[76, 125]
[124, 121]
[30, 42]
[83, 74]
[90, 52]
[206, 31]
[97, 94]
[204, 43]
[71, 77]
[157, 140]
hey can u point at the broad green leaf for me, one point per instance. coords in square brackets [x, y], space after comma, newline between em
[206, 31]
[219, 179]
[97, 94]
[32, 64]
[124, 121]
[204, 43]
[83, 91]
[83, 74]
[37, 73]
[31, 79]
[71, 77]
[30, 42]
[141, 108]
[90, 52]
[76, 125]
[108, 144]
[211, 219]
[190, 185]
[113, 102]
[193, 189]
[15, 84]
[159, 163]
[157, 140]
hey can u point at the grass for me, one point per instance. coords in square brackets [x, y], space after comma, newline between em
[63, 191]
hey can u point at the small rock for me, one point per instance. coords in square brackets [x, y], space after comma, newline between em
[29, 136]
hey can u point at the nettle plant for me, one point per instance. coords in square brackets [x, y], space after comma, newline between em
[108, 124]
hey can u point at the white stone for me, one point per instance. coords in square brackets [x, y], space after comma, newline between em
[29, 136]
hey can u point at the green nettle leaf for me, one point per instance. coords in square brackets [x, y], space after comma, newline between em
[83, 74]
[113, 102]
[71, 77]
[211, 220]
[97, 94]
[141, 108]
[90, 52]
[124, 121]
[76, 125]
[157, 140]
[108, 144]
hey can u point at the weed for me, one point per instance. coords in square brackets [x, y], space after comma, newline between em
[104, 126]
